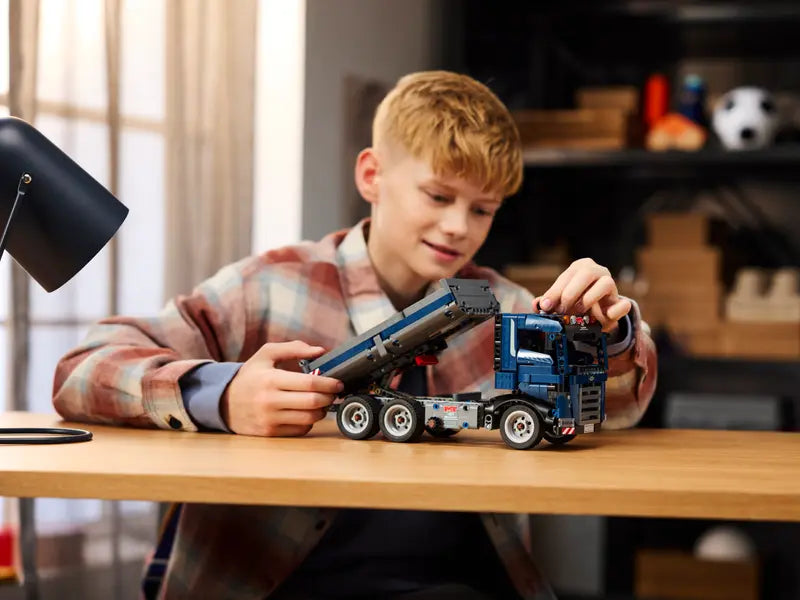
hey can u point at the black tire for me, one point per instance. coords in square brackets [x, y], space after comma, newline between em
[438, 430]
[521, 427]
[402, 420]
[357, 417]
[558, 439]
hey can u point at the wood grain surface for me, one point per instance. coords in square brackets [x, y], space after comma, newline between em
[639, 472]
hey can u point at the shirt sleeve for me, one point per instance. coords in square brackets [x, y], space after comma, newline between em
[622, 338]
[202, 389]
[127, 370]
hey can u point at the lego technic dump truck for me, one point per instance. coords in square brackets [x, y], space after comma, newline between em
[552, 368]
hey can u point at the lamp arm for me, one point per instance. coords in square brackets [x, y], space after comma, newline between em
[22, 189]
[43, 435]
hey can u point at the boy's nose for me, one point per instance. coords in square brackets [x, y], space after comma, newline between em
[454, 223]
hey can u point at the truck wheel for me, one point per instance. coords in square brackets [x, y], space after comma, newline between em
[402, 420]
[558, 439]
[521, 427]
[357, 417]
[437, 429]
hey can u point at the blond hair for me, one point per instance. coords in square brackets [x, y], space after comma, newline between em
[456, 123]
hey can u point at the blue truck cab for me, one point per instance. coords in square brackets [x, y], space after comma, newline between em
[559, 362]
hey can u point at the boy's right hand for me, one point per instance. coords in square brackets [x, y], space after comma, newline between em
[263, 399]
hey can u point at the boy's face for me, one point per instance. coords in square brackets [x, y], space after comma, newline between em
[424, 227]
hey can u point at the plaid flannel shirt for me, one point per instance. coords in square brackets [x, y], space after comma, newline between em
[127, 372]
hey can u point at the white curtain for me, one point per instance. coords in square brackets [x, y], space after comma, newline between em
[154, 99]
[211, 49]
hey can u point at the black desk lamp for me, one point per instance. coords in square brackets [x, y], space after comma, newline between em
[57, 218]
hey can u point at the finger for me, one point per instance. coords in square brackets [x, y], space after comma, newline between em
[535, 304]
[574, 290]
[604, 288]
[597, 313]
[299, 417]
[618, 309]
[276, 352]
[551, 298]
[302, 400]
[610, 314]
[305, 382]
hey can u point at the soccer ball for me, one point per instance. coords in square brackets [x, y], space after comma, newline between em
[745, 118]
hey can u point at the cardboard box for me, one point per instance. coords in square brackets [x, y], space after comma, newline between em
[677, 230]
[692, 307]
[761, 340]
[679, 291]
[676, 575]
[696, 338]
[685, 316]
[761, 295]
[762, 310]
[588, 129]
[702, 342]
[623, 97]
[683, 266]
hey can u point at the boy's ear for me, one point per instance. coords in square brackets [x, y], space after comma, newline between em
[367, 174]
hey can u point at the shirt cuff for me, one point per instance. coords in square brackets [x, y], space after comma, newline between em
[202, 389]
[616, 343]
[621, 339]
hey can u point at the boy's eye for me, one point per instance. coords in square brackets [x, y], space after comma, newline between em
[482, 212]
[439, 198]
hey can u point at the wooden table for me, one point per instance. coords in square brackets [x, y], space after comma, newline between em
[640, 472]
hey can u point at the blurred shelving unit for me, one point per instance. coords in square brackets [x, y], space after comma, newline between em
[536, 56]
[776, 157]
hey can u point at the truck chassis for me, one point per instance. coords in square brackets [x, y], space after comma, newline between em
[523, 421]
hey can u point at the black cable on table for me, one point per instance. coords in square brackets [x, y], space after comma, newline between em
[55, 435]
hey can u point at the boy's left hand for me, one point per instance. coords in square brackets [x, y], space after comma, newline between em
[585, 287]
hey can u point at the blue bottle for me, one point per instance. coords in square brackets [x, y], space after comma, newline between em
[692, 100]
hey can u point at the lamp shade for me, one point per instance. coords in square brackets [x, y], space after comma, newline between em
[65, 217]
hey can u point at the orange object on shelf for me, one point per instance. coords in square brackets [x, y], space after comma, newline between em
[656, 99]
[675, 132]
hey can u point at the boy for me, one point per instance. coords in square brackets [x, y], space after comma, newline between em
[445, 154]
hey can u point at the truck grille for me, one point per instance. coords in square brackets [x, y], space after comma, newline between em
[590, 403]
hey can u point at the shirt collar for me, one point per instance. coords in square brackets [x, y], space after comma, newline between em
[367, 303]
